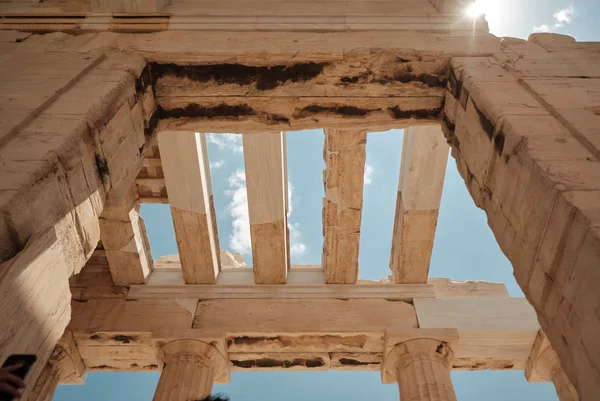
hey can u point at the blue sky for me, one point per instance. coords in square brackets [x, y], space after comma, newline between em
[465, 248]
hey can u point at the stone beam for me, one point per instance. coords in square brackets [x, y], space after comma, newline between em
[266, 184]
[344, 153]
[126, 335]
[501, 328]
[260, 114]
[185, 163]
[447, 288]
[520, 137]
[306, 281]
[422, 172]
[124, 239]
[128, 6]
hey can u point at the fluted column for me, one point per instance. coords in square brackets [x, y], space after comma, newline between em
[189, 371]
[422, 369]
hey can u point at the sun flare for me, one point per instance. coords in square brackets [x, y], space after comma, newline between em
[479, 7]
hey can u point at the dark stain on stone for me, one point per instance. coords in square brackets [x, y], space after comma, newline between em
[315, 363]
[426, 114]
[499, 142]
[354, 362]
[448, 128]
[403, 77]
[222, 110]
[151, 124]
[134, 365]
[124, 339]
[454, 84]
[102, 166]
[244, 364]
[151, 366]
[463, 98]
[275, 363]
[440, 348]
[101, 367]
[95, 337]
[81, 301]
[196, 111]
[508, 366]
[449, 125]
[247, 340]
[355, 79]
[346, 111]
[265, 77]
[486, 124]
[473, 366]
[429, 80]
[143, 81]
[283, 341]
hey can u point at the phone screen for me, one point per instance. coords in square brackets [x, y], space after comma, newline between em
[26, 360]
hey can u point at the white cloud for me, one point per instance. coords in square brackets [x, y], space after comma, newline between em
[564, 15]
[226, 141]
[217, 165]
[297, 247]
[541, 28]
[239, 239]
[368, 178]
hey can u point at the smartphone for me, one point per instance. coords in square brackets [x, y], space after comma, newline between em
[26, 360]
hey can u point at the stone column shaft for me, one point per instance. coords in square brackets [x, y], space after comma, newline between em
[190, 369]
[185, 378]
[423, 371]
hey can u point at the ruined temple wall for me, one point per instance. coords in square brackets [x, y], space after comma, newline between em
[524, 131]
[522, 118]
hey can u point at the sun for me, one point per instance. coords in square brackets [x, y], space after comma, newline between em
[479, 7]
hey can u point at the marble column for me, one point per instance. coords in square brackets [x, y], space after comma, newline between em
[422, 369]
[190, 369]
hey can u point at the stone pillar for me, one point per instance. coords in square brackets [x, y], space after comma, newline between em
[422, 369]
[190, 367]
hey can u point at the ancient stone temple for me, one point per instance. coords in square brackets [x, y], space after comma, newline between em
[104, 104]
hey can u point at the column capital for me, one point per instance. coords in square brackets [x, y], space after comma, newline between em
[205, 352]
[407, 352]
[67, 359]
[543, 365]
[543, 361]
